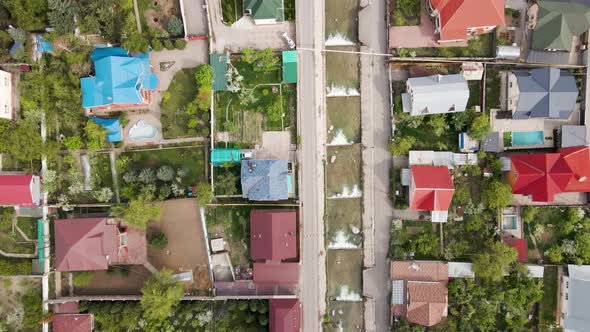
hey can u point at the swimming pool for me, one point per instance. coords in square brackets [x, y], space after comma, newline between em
[142, 130]
[527, 138]
[509, 222]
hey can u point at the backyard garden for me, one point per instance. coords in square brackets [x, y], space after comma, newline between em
[419, 237]
[478, 46]
[405, 12]
[13, 241]
[20, 304]
[256, 100]
[232, 223]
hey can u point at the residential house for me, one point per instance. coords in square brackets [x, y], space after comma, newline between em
[457, 20]
[284, 315]
[265, 180]
[558, 22]
[96, 243]
[541, 93]
[419, 291]
[273, 245]
[20, 190]
[7, 95]
[265, 11]
[436, 94]
[72, 323]
[431, 189]
[544, 175]
[120, 80]
[574, 293]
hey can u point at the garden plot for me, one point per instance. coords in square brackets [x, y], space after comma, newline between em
[344, 269]
[117, 280]
[232, 223]
[341, 22]
[342, 72]
[343, 220]
[344, 120]
[344, 316]
[11, 307]
[157, 13]
[11, 241]
[344, 171]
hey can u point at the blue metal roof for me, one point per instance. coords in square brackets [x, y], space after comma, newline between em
[265, 180]
[119, 78]
[112, 125]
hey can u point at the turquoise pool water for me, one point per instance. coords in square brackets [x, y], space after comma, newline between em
[527, 138]
[509, 222]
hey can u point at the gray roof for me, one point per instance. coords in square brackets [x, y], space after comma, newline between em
[265, 180]
[545, 93]
[492, 143]
[436, 94]
[577, 316]
[573, 136]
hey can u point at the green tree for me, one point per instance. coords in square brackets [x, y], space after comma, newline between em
[554, 254]
[582, 241]
[136, 42]
[265, 60]
[24, 141]
[493, 262]
[247, 55]
[33, 309]
[28, 14]
[438, 124]
[95, 135]
[73, 143]
[462, 195]
[401, 145]
[480, 127]
[138, 212]
[529, 213]
[161, 294]
[17, 34]
[158, 240]
[175, 26]
[204, 75]
[157, 45]
[203, 194]
[498, 194]
[166, 173]
[225, 184]
[180, 44]
[62, 14]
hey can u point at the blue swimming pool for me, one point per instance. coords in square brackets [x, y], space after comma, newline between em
[527, 138]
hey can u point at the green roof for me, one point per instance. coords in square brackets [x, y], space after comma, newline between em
[290, 66]
[219, 64]
[558, 22]
[222, 156]
[266, 9]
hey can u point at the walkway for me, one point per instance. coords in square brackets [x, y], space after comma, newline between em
[245, 34]
[195, 17]
[113, 163]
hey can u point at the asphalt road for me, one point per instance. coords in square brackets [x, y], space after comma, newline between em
[310, 109]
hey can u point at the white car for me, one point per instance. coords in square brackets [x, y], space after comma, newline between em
[289, 41]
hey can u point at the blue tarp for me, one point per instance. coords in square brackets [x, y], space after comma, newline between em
[43, 45]
[15, 47]
[112, 125]
[119, 78]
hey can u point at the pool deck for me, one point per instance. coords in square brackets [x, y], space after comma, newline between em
[151, 118]
[536, 124]
[563, 199]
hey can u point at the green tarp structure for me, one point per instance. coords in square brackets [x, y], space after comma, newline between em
[219, 64]
[266, 9]
[222, 156]
[290, 66]
[558, 22]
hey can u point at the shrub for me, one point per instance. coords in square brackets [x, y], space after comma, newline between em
[73, 143]
[165, 173]
[10, 267]
[158, 240]
[204, 75]
[180, 44]
[168, 45]
[174, 26]
[157, 45]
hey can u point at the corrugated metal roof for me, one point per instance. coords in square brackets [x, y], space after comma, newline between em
[265, 180]
[219, 63]
[265, 9]
[222, 156]
[558, 22]
[573, 136]
[290, 66]
[437, 94]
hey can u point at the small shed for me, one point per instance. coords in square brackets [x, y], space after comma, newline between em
[508, 52]
[572, 135]
[112, 126]
[290, 66]
[472, 71]
[222, 156]
[219, 63]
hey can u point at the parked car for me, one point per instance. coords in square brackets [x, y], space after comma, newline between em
[289, 41]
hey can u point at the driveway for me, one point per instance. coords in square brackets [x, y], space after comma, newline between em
[244, 33]
[195, 17]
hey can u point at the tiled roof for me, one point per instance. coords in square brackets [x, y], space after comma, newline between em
[72, 323]
[456, 16]
[433, 188]
[276, 273]
[273, 234]
[15, 189]
[284, 315]
[419, 271]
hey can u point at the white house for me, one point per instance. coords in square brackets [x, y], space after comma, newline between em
[436, 94]
[6, 96]
[575, 299]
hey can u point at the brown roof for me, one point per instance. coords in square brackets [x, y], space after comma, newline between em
[284, 315]
[72, 323]
[276, 273]
[426, 314]
[427, 302]
[419, 271]
[273, 234]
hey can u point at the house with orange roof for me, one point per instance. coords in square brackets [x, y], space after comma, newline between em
[419, 291]
[457, 20]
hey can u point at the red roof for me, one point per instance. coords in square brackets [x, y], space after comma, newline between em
[544, 175]
[456, 16]
[276, 273]
[66, 308]
[433, 188]
[285, 315]
[520, 245]
[72, 323]
[273, 234]
[15, 189]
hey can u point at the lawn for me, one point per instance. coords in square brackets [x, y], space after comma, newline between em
[507, 139]
[344, 174]
[405, 12]
[424, 135]
[478, 46]
[101, 170]
[474, 93]
[342, 215]
[547, 314]
[10, 239]
[344, 270]
[28, 225]
[254, 77]
[492, 88]
[344, 120]
[232, 10]
[233, 224]
[12, 307]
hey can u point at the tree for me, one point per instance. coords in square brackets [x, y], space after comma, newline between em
[138, 212]
[498, 194]
[136, 42]
[158, 240]
[62, 14]
[95, 135]
[103, 195]
[462, 195]
[225, 184]
[582, 241]
[203, 194]
[17, 34]
[247, 55]
[166, 173]
[157, 45]
[28, 14]
[24, 141]
[529, 213]
[401, 145]
[492, 263]
[180, 44]
[161, 294]
[147, 176]
[438, 123]
[73, 143]
[265, 60]
[480, 127]
[175, 26]
[204, 75]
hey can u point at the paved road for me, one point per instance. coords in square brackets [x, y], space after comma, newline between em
[310, 109]
[372, 33]
[195, 17]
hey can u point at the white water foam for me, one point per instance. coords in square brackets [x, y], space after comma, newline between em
[341, 241]
[340, 139]
[341, 91]
[339, 39]
[347, 193]
[348, 295]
